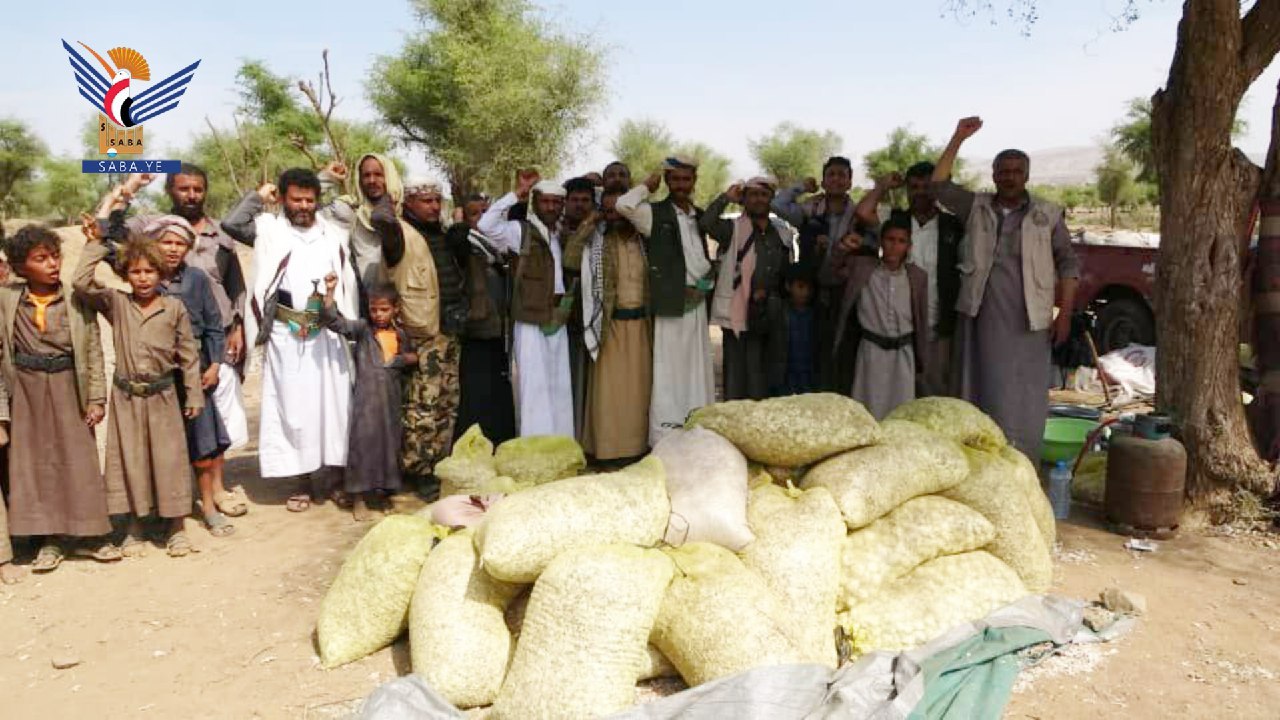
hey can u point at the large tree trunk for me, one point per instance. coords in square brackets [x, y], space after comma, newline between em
[1206, 189]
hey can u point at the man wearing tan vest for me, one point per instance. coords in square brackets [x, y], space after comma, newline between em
[1015, 262]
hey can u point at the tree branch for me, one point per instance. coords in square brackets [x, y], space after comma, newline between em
[1260, 38]
[325, 83]
[226, 158]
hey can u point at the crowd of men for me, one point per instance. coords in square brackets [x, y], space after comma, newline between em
[584, 308]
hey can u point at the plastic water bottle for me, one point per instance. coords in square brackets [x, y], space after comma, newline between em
[1060, 490]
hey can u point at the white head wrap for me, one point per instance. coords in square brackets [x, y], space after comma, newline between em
[423, 186]
[549, 187]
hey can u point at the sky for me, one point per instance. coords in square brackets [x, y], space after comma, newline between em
[716, 72]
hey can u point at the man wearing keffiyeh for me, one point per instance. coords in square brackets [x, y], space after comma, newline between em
[747, 303]
[617, 330]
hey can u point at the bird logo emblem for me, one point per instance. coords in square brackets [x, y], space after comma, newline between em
[115, 94]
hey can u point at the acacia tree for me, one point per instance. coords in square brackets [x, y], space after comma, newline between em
[487, 87]
[21, 154]
[1132, 135]
[643, 144]
[1207, 189]
[790, 153]
[281, 122]
[1115, 181]
[902, 149]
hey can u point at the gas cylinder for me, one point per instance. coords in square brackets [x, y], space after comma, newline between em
[1146, 479]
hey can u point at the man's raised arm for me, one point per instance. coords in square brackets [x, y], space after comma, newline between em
[239, 223]
[634, 204]
[953, 197]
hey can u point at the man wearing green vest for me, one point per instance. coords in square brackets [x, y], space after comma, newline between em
[679, 281]
[1015, 255]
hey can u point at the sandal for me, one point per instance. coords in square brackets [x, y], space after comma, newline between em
[218, 524]
[230, 504]
[106, 552]
[342, 500]
[132, 547]
[298, 503]
[48, 559]
[178, 545]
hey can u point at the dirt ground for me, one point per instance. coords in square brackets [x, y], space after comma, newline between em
[227, 632]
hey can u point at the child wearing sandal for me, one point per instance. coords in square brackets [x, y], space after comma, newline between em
[382, 354]
[207, 437]
[52, 367]
[147, 468]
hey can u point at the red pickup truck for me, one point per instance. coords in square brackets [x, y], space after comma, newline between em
[1117, 284]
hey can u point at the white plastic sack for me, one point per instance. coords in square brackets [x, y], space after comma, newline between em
[707, 483]
[797, 553]
[1133, 368]
[458, 639]
[585, 634]
[522, 534]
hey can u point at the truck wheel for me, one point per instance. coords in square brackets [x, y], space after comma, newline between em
[1122, 322]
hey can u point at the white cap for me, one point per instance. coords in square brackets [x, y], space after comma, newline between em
[549, 187]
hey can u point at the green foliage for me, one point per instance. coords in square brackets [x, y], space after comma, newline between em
[1115, 181]
[642, 145]
[1132, 136]
[65, 191]
[903, 149]
[21, 154]
[487, 87]
[791, 153]
[275, 128]
[713, 171]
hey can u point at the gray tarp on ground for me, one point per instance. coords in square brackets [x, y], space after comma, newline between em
[879, 686]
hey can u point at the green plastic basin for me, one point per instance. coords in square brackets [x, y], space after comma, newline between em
[1063, 438]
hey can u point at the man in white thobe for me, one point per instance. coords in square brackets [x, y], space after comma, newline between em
[306, 375]
[680, 279]
[539, 306]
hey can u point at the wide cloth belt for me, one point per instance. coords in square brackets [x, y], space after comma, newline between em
[302, 323]
[44, 363]
[888, 343]
[143, 388]
[630, 313]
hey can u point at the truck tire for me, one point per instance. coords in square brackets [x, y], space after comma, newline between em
[1124, 321]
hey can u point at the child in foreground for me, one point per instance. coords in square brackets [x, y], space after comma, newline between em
[383, 352]
[147, 470]
[207, 437]
[884, 304]
[53, 371]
